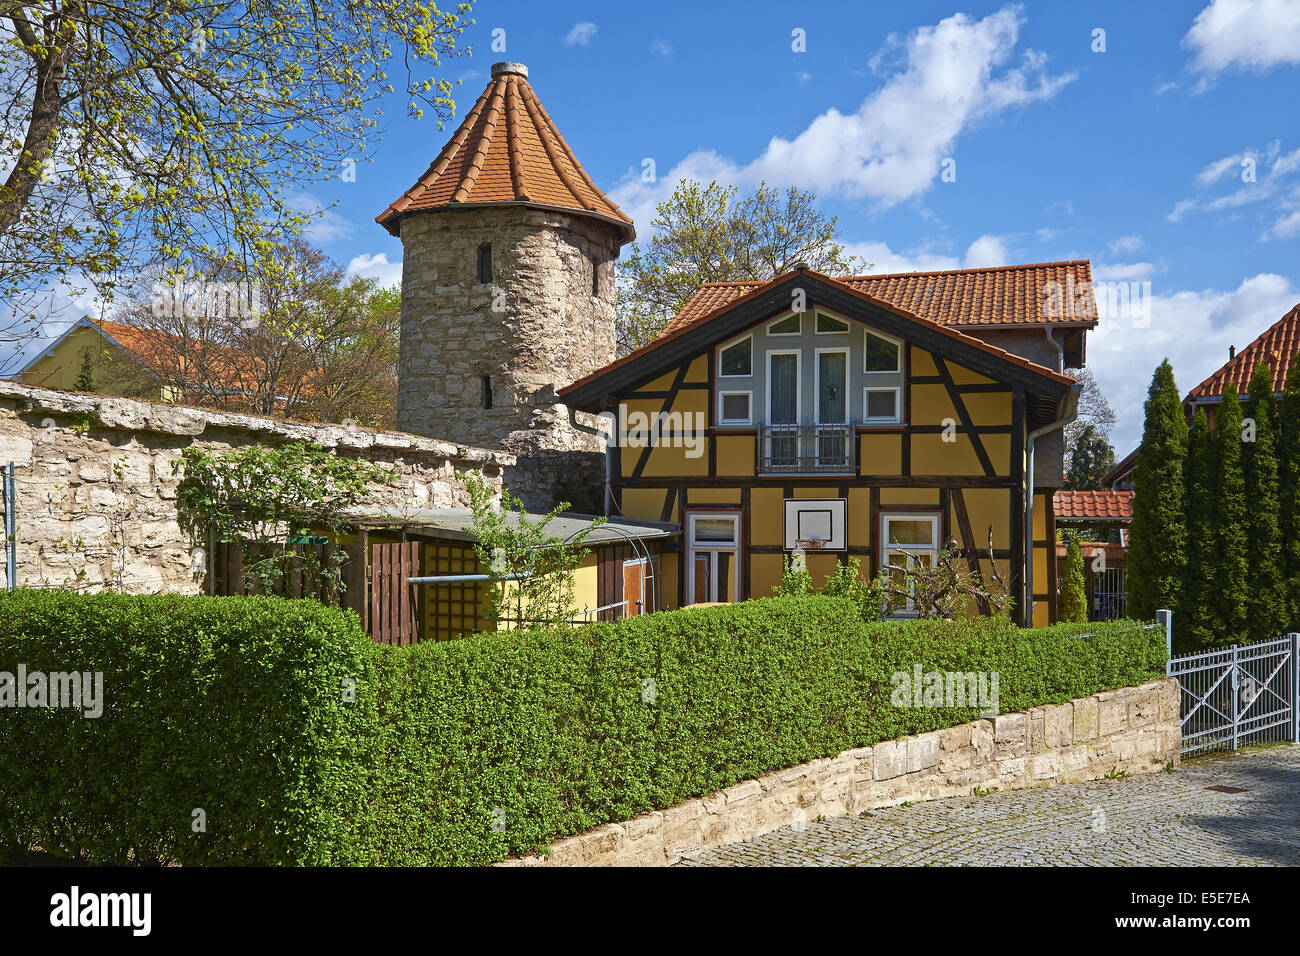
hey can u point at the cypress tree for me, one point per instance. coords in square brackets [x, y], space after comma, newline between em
[1232, 569]
[1265, 599]
[1288, 453]
[1074, 593]
[1195, 630]
[1156, 553]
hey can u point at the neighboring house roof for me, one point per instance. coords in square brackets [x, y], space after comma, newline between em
[997, 297]
[1093, 505]
[1277, 347]
[1122, 468]
[458, 523]
[718, 323]
[507, 150]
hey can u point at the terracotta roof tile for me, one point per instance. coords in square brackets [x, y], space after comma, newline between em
[1093, 505]
[999, 296]
[1277, 347]
[753, 289]
[507, 150]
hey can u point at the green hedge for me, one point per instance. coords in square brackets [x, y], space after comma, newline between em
[467, 751]
[231, 706]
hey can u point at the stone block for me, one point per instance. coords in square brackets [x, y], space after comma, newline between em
[1085, 719]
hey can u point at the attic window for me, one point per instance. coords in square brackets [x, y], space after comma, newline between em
[829, 325]
[485, 264]
[881, 354]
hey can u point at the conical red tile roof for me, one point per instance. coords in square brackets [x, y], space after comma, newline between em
[507, 151]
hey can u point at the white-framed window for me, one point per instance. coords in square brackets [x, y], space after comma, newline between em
[790, 325]
[737, 359]
[783, 387]
[831, 381]
[735, 408]
[829, 325]
[882, 405]
[906, 540]
[881, 354]
[712, 556]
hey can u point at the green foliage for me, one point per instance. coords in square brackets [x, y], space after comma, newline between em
[796, 579]
[463, 752]
[86, 377]
[1266, 615]
[232, 706]
[1231, 567]
[263, 494]
[1156, 554]
[531, 570]
[1090, 459]
[867, 596]
[1289, 490]
[1074, 595]
[708, 234]
[1195, 627]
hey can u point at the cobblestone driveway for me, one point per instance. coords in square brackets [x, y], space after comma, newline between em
[1164, 818]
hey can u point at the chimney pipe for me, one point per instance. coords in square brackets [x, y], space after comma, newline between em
[1232, 352]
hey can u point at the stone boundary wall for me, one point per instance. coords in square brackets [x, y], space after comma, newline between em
[1134, 729]
[96, 491]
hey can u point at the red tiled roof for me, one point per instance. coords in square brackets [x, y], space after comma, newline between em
[1277, 348]
[507, 150]
[1093, 505]
[999, 296]
[726, 305]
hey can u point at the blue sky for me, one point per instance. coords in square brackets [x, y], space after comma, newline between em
[1132, 157]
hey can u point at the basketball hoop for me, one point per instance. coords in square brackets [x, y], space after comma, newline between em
[810, 544]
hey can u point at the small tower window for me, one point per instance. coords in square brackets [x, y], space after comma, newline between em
[485, 264]
[485, 390]
[595, 277]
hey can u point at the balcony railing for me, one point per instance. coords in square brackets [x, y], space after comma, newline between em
[806, 449]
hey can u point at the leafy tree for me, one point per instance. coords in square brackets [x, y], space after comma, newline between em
[1265, 598]
[168, 130]
[86, 377]
[1289, 487]
[708, 234]
[1090, 458]
[270, 495]
[1094, 411]
[1156, 553]
[531, 571]
[1196, 626]
[317, 345]
[1231, 523]
[1074, 592]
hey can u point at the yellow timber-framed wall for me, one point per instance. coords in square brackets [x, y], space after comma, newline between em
[973, 481]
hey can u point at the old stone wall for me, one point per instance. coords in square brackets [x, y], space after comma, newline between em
[96, 491]
[538, 326]
[1134, 729]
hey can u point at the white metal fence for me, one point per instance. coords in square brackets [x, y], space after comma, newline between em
[1244, 694]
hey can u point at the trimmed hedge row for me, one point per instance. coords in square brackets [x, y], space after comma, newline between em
[467, 751]
[228, 706]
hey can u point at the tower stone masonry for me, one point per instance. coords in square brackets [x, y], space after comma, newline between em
[508, 294]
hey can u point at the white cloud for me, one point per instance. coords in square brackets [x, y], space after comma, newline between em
[956, 75]
[325, 225]
[1125, 245]
[803, 77]
[1193, 329]
[376, 266]
[581, 35]
[661, 47]
[1123, 271]
[985, 251]
[1266, 176]
[1245, 35]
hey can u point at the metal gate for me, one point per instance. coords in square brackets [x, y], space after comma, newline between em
[1240, 695]
[1108, 594]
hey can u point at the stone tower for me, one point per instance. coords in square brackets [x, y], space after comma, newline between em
[508, 293]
